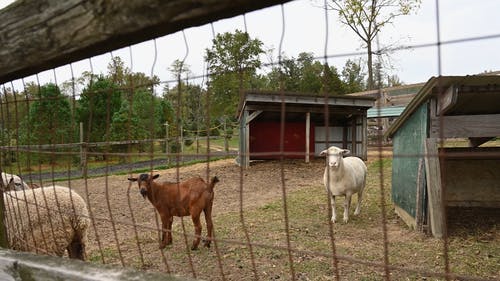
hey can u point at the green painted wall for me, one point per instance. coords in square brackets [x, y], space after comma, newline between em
[408, 147]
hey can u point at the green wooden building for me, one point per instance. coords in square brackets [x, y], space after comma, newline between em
[439, 154]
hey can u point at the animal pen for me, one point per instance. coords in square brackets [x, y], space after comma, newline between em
[312, 124]
[92, 132]
[447, 109]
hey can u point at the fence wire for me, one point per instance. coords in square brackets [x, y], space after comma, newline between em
[272, 219]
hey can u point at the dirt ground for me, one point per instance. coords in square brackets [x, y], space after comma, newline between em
[114, 202]
[116, 205]
[124, 225]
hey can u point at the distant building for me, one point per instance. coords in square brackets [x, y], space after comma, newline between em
[275, 125]
[390, 103]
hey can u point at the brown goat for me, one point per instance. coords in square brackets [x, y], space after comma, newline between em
[187, 198]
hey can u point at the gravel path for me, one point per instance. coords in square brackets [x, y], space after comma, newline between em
[118, 168]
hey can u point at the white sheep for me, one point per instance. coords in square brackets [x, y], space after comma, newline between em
[14, 182]
[47, 220]
[344, 176]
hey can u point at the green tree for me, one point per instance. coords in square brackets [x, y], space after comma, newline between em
[232, 61]
[49, 120]
[99, 100]
[310, 73]
[353, 77]
[190, 106]
[305, 74]
[393, 81]
[125, 126]
[14, 106]
[147, 108]
[285, 76]
[367, 18]
[332, 83]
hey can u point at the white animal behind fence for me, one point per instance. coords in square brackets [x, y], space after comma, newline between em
[13, 181]
[47, 220]
[344, 176]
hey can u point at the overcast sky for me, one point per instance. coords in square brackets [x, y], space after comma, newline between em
[305, 31]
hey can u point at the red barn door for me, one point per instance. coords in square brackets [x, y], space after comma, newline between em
[265, 140]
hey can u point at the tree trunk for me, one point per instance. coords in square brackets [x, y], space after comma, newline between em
[370, 65]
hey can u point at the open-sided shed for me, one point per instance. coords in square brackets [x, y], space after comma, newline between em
[297, 125]
[428, 173]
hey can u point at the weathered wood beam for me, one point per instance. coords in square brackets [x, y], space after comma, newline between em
[434, 188]
[252, 116]
[447, 100]
[475, 142]
[305, 109]
[37, 35]
[465, 126]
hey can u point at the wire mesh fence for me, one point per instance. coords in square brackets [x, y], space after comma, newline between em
[81, 143]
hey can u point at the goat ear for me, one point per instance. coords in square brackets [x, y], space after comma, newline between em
[156, 176]
[323, 153]
[346, 152]
[11, 180]
[132, 179]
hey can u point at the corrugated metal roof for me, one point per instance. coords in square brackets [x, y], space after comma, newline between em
[380, 112]
[302, 99]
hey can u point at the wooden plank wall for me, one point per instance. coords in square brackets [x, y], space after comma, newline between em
[472, 181]
[408, 150]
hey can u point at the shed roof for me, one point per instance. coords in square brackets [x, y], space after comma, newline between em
[471, 100]
[380, 112]
[263, 98]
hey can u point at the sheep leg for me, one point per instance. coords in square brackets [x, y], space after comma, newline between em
[197, 231]
[76, 249]
[334, 214]
[358, 206]
[347, 205]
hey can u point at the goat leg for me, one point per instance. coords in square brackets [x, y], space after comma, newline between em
[210, 227]
[169, 230]
[197, 231]
[166, 234]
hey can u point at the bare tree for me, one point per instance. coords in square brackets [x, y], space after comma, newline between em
[367, 17]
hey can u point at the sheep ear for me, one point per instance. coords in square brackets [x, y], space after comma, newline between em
[346, 152]
[132, 179]
[323, 153]
[156, 176]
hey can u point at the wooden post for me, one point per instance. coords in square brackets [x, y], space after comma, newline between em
[308, 133]
[182, 144]
[364, 136]
[247, 145]
[83, 150]
[166, 143]
[226, 143]
[434, 191]
[353, 137]
[419, 218]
